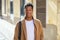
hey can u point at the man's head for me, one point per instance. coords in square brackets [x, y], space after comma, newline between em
[29, 10]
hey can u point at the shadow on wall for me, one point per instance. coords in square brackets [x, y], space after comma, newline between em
[50, 32]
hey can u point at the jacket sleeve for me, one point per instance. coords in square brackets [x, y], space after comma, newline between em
[41, 30]
[16, 32]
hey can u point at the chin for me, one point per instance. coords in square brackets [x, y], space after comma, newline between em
[29, 16]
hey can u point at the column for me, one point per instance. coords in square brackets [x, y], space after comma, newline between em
[58, 19]
[8, 8]
[4, 8]
[16, 8]
[34, 10]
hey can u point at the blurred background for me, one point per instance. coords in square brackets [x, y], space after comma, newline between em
[12, 11]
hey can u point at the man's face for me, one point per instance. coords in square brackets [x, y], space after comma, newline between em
[29, 11]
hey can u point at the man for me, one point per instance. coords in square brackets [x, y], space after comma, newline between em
[31, 29]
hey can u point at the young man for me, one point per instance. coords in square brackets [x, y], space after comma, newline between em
[31, 29]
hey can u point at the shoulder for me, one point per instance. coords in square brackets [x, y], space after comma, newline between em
[37, 20]
[18, 23]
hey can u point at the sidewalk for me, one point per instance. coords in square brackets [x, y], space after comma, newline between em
[6, 30]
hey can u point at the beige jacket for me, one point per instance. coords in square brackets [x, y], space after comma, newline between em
[38, 30]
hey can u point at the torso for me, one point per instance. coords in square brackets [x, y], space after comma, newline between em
[30, 29]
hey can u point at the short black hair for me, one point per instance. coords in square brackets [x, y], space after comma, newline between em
[29, 4]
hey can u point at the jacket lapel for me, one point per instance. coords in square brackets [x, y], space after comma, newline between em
[25, 31]
[35, 29]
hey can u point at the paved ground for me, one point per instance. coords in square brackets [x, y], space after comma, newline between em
[50, 32]
[6, 30]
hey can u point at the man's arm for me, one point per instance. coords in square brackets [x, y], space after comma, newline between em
[16, 32]
[41, 30]
[41, 35]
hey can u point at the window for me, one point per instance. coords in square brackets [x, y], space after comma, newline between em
[22, 7]
[0, 7]
[11, 7]
[5, 6]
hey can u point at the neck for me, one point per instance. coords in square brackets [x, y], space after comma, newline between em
[28, 18]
